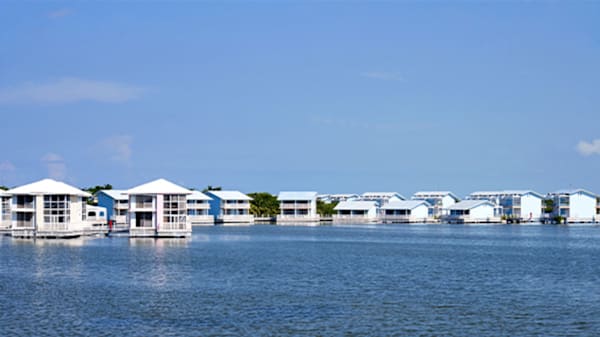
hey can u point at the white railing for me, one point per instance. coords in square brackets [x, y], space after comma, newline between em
[28, 205]
[236, 205]
[23, 224]
[143, 205]
[49, 226]
[294, 206]
[298, 216]
[174, 227]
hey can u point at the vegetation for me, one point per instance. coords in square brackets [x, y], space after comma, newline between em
[263, 204]
[325, 208]
[211, 188]
[95, 189]
[559, 219]
[4, 188]
[548, 205]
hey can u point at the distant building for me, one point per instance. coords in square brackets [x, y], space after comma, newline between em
[405, 211]
[439, 201]
[4, 211]
[198, 208]
[97, 219]
[329, 198]
[356, 212]
[576, 205]
[230, 207]
[297, 206]
[472, 211]
[522, 205]
[381, 197]
[48, 208]
[158, 209]
[116, 203]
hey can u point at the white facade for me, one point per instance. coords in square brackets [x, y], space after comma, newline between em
[97, 221]
[48, 208]
[405, 211]
[297, 207]
[158, 209]
[199, 209]
[5, 222]
[521, 205]
[230, 207]
[439, 201]
[472, 211]
[575, 205]
[381, 198]
[356, 212]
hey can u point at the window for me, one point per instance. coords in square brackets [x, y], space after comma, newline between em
[174, 209]
[5, 208]
[57, 209]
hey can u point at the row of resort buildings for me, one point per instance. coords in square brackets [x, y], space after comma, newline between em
[49, 208]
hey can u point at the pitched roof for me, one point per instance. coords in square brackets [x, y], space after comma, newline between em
[574, 191]
[355, 205]
[159, 186]
[506, 192]
[470, 204]
[48, 186]
[440, 194]
[296, 195]
[229, 195]
[115, 194]
[381, 195]
[197, 195]
[405, 204]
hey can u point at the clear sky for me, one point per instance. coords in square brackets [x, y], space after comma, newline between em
[336, 97]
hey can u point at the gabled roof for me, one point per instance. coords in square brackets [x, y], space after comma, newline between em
[381, 195]
[438, 194]
[197, 195]
[158, 186]
[506, 193]
[469, 204]
[48, 186]
[229, 195]
[574, 191]
[296, 195]
[405, 204]
[355, 205]
[115, 194]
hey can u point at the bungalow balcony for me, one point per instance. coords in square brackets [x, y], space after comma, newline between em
[201, 206]
[25, 207]
[235, 205]
[142, 206]
[295, 205]
[235, 218]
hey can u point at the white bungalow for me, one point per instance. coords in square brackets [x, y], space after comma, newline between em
[158, 209]
[198, 209]
[406, 211]
[116, 203]
[297, 207]
[48, 209]
[472, 211]
[355, 212]
[97, 221]
[439, 201]
[518, 205]
[230, 207]
[575, 206]
[382, 197]
[4, 212]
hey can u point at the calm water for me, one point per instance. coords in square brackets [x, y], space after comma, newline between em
[423, 280]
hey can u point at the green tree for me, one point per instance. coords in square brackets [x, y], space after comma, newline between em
[263, 204]
[95, 189]
[4, 188]
[548, 205]
[211, 188]
[326, 208]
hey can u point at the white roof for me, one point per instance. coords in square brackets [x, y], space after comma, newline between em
[95, 208]
[505, 192]
[159, 186]
[469, 204]
[573, 191]
[48, 186]
[381, 195]
[115, 194]
[197, 195]
[229, 195]
[355, 205]
[297, 195]
[434, 194]
[405, 204]
[4, 193]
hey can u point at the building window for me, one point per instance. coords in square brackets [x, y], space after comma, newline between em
[174, 209]
[57, 209]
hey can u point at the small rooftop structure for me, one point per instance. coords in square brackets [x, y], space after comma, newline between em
[48, 186]
[436, 194]
[158, 186]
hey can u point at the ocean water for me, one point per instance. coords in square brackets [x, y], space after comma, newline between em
[401, 280]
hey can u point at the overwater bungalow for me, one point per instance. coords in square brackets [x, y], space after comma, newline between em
[439, 201]
[158, 209]
[517, 205]
[97, 220]
[48, 209]
[356, 212]
[297, 207]
[472, 211]
[575, 206]
[406, 211]
[382, 197]
[198, 205]
[230, 207]
[116, 203]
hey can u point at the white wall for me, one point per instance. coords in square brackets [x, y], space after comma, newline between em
[372, 213]
[420, 212]
[482, 212]
[582, 206]
[531, 205]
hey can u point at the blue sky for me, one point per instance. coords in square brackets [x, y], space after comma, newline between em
[334, 97]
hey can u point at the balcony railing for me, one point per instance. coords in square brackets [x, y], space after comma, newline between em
[27, 205]
[294, 206]
[23, 224]
[54, 227]
[174, 227]
[241, 205]
[143, 205]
